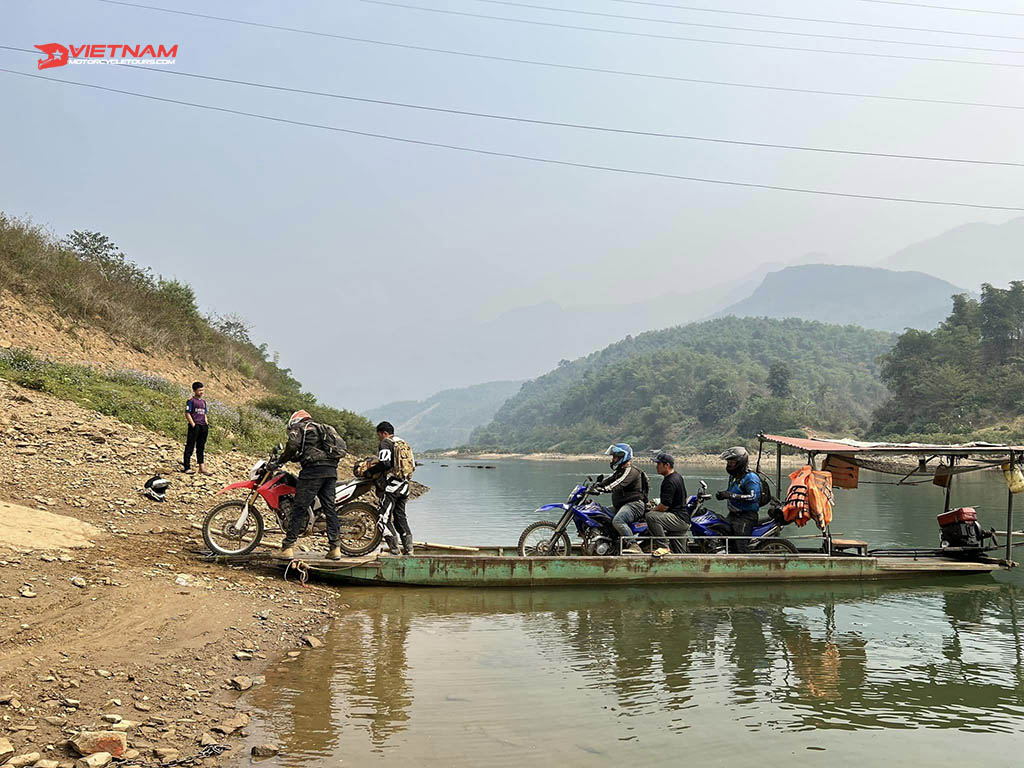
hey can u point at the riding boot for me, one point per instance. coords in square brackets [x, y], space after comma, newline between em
[392, 545]
[407, 544]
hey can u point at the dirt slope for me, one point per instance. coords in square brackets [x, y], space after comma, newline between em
[136, 617]
[41, 330]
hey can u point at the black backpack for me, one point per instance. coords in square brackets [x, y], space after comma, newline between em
[331, 443]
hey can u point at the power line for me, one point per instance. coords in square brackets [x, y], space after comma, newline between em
[570, 67]
[655, 36]
[945, 7]
[814, 20]
[564, 124]
[516, 156]
[515, 4]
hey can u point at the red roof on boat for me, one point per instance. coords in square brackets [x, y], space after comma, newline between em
[818, 445]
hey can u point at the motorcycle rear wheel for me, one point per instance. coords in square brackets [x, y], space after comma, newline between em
[773, 546]
[536, 541]
[360, 534]
[220, 536]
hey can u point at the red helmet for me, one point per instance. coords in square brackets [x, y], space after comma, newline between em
[297, 417]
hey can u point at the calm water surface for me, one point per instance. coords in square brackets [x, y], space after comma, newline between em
[766, 675]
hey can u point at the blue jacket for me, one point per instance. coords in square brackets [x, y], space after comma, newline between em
[749, 488]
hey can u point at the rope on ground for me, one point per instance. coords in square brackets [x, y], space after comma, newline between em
[301, 568]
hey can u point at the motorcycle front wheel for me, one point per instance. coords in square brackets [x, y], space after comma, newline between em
[223, 538]
[536, 541]
[360, 534]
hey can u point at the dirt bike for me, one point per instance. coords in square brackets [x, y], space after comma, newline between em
[236, 527]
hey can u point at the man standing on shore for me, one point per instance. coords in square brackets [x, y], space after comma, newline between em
[198, 429]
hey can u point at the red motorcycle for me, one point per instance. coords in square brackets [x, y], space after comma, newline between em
[236, 527]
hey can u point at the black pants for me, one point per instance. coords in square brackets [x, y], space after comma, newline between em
[742, 524]
[196, 441]
[310, 488]
[667, 523]
[395, 493]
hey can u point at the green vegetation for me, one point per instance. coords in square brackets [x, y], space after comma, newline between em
[89, 282]
[699, 387]
[965, 379]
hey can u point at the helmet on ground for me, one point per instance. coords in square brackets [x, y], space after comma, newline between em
[297, 417]
[620, 453]
[737, 459]
[665, 458]
[156, 488]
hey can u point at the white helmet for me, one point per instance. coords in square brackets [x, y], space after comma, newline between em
[156, 488]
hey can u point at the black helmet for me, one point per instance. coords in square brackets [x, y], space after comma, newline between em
[739, 455]
[156, 488]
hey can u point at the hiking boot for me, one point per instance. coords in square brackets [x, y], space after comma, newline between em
[392, 545]
[287, 551]
[632, 549]
[334, 553]
[407, 546]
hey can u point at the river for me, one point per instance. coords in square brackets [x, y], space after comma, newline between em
[765, 675]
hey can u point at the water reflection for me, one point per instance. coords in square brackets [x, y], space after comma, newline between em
[417, 674]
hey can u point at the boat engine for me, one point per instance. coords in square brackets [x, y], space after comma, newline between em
[960, 528]
[597, 544]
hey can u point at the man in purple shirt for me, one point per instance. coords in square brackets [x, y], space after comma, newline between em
[198, 428]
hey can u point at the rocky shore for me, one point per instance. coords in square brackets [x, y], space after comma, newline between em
[116, 641]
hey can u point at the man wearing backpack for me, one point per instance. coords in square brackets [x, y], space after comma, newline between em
[393, 469]
[318, 447]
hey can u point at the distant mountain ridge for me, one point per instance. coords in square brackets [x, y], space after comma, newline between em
[870, 297]
[968, 255]
[446, 419]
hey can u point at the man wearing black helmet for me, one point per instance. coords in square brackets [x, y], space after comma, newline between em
[669, 517]
[743, 495]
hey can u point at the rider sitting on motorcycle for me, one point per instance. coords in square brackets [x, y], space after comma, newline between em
[626, 485]
[317, 479]
[743, 495]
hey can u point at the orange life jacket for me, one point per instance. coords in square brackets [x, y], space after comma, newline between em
[810, 497]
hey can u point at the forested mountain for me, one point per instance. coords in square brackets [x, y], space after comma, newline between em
[699, 386]
[445, 420]
[866, 296]
[965, 378]
[968, 255]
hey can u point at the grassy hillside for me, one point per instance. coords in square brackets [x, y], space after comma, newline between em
[865, 296]
[699, 386]
[89, 283]
[445, 420]
[963, 380]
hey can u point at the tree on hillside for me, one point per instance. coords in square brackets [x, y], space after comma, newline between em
[779, 380]
[99, 250]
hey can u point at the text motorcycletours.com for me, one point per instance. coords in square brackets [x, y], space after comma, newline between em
[58, 55]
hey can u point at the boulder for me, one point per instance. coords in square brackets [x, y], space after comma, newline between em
[312, 642]
[21, 761]
[240, 683]
[264, 750]
[47, 764]
[91, 742]
[95, 760]
[6, 751]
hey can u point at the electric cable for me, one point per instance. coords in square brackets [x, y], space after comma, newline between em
[816, 20]
[532, 6]
[570, 67]
[656, 36]
[518, 156]
[944, 7]
[562, 124]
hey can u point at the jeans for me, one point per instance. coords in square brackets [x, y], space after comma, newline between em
[630, 512]
[661, 524]
[310, 488]
[742, 524]
[196, 441]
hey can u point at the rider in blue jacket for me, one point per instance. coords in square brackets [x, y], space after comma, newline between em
[743, 495]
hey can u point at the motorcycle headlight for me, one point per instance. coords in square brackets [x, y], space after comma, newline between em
[257, 469]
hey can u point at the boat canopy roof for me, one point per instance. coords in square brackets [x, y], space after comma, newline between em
[847, 447]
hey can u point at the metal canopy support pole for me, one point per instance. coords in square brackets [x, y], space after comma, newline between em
[1009, 511]
[949, 481]
[778, 469]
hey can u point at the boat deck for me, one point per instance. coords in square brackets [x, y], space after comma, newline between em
[502, 567]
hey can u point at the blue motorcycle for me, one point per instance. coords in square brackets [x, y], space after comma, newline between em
[593, 525]
[707, 528]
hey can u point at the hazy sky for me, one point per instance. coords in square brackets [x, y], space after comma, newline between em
[326, 242]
